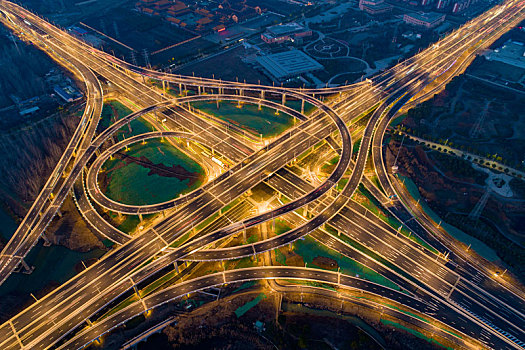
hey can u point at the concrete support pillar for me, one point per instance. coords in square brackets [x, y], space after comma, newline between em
[244, 236]
[141, 218]
[302, 106]
[27, 269]
[180, 89]
[164, 86]
[176, 265]
[284, 99]
[199, 89]
[47, 243]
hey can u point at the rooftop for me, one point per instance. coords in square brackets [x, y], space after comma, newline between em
[287, 64]
[282, 29]
[512, 52]
[428, 17]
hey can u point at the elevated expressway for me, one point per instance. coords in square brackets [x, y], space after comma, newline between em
[53, 193]
[156, 241]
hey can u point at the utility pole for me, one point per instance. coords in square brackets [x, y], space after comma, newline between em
[146, 58]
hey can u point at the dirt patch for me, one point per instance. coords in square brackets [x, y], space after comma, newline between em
[160, 169]
[71, 231]
[325, 263]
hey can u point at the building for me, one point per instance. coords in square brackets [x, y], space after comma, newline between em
[460, 6]
[512, 52]
[285, 32]
[68, 93]
[441, 4]
[78, 31]
[28, 111]
[288, 64]
[375, 7]
[426, 20]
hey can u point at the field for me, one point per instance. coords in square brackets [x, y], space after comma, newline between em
[149, 172]
[476, 117]
[136, 30]
[500, 70]
[312, 254]
[135, 179]
[263, 121]
[227, 65]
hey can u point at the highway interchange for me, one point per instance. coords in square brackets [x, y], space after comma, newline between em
[444, 286]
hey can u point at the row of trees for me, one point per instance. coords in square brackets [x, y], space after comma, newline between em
[22, 71]
[445, 142]
[29, 155]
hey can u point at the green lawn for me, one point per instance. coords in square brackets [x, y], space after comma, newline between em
[134, 183]
[376, 208]
[243, 309]
[249, 117]
[414, 332]
[477, 245]
[309, 248]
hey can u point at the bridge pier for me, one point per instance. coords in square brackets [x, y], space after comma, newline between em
[244, 236]
[180, 89]
[176, 265]
[198, 89]
[302, 107]
[284, 99]
[26, 268]
[47, 243]
[141, 218]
